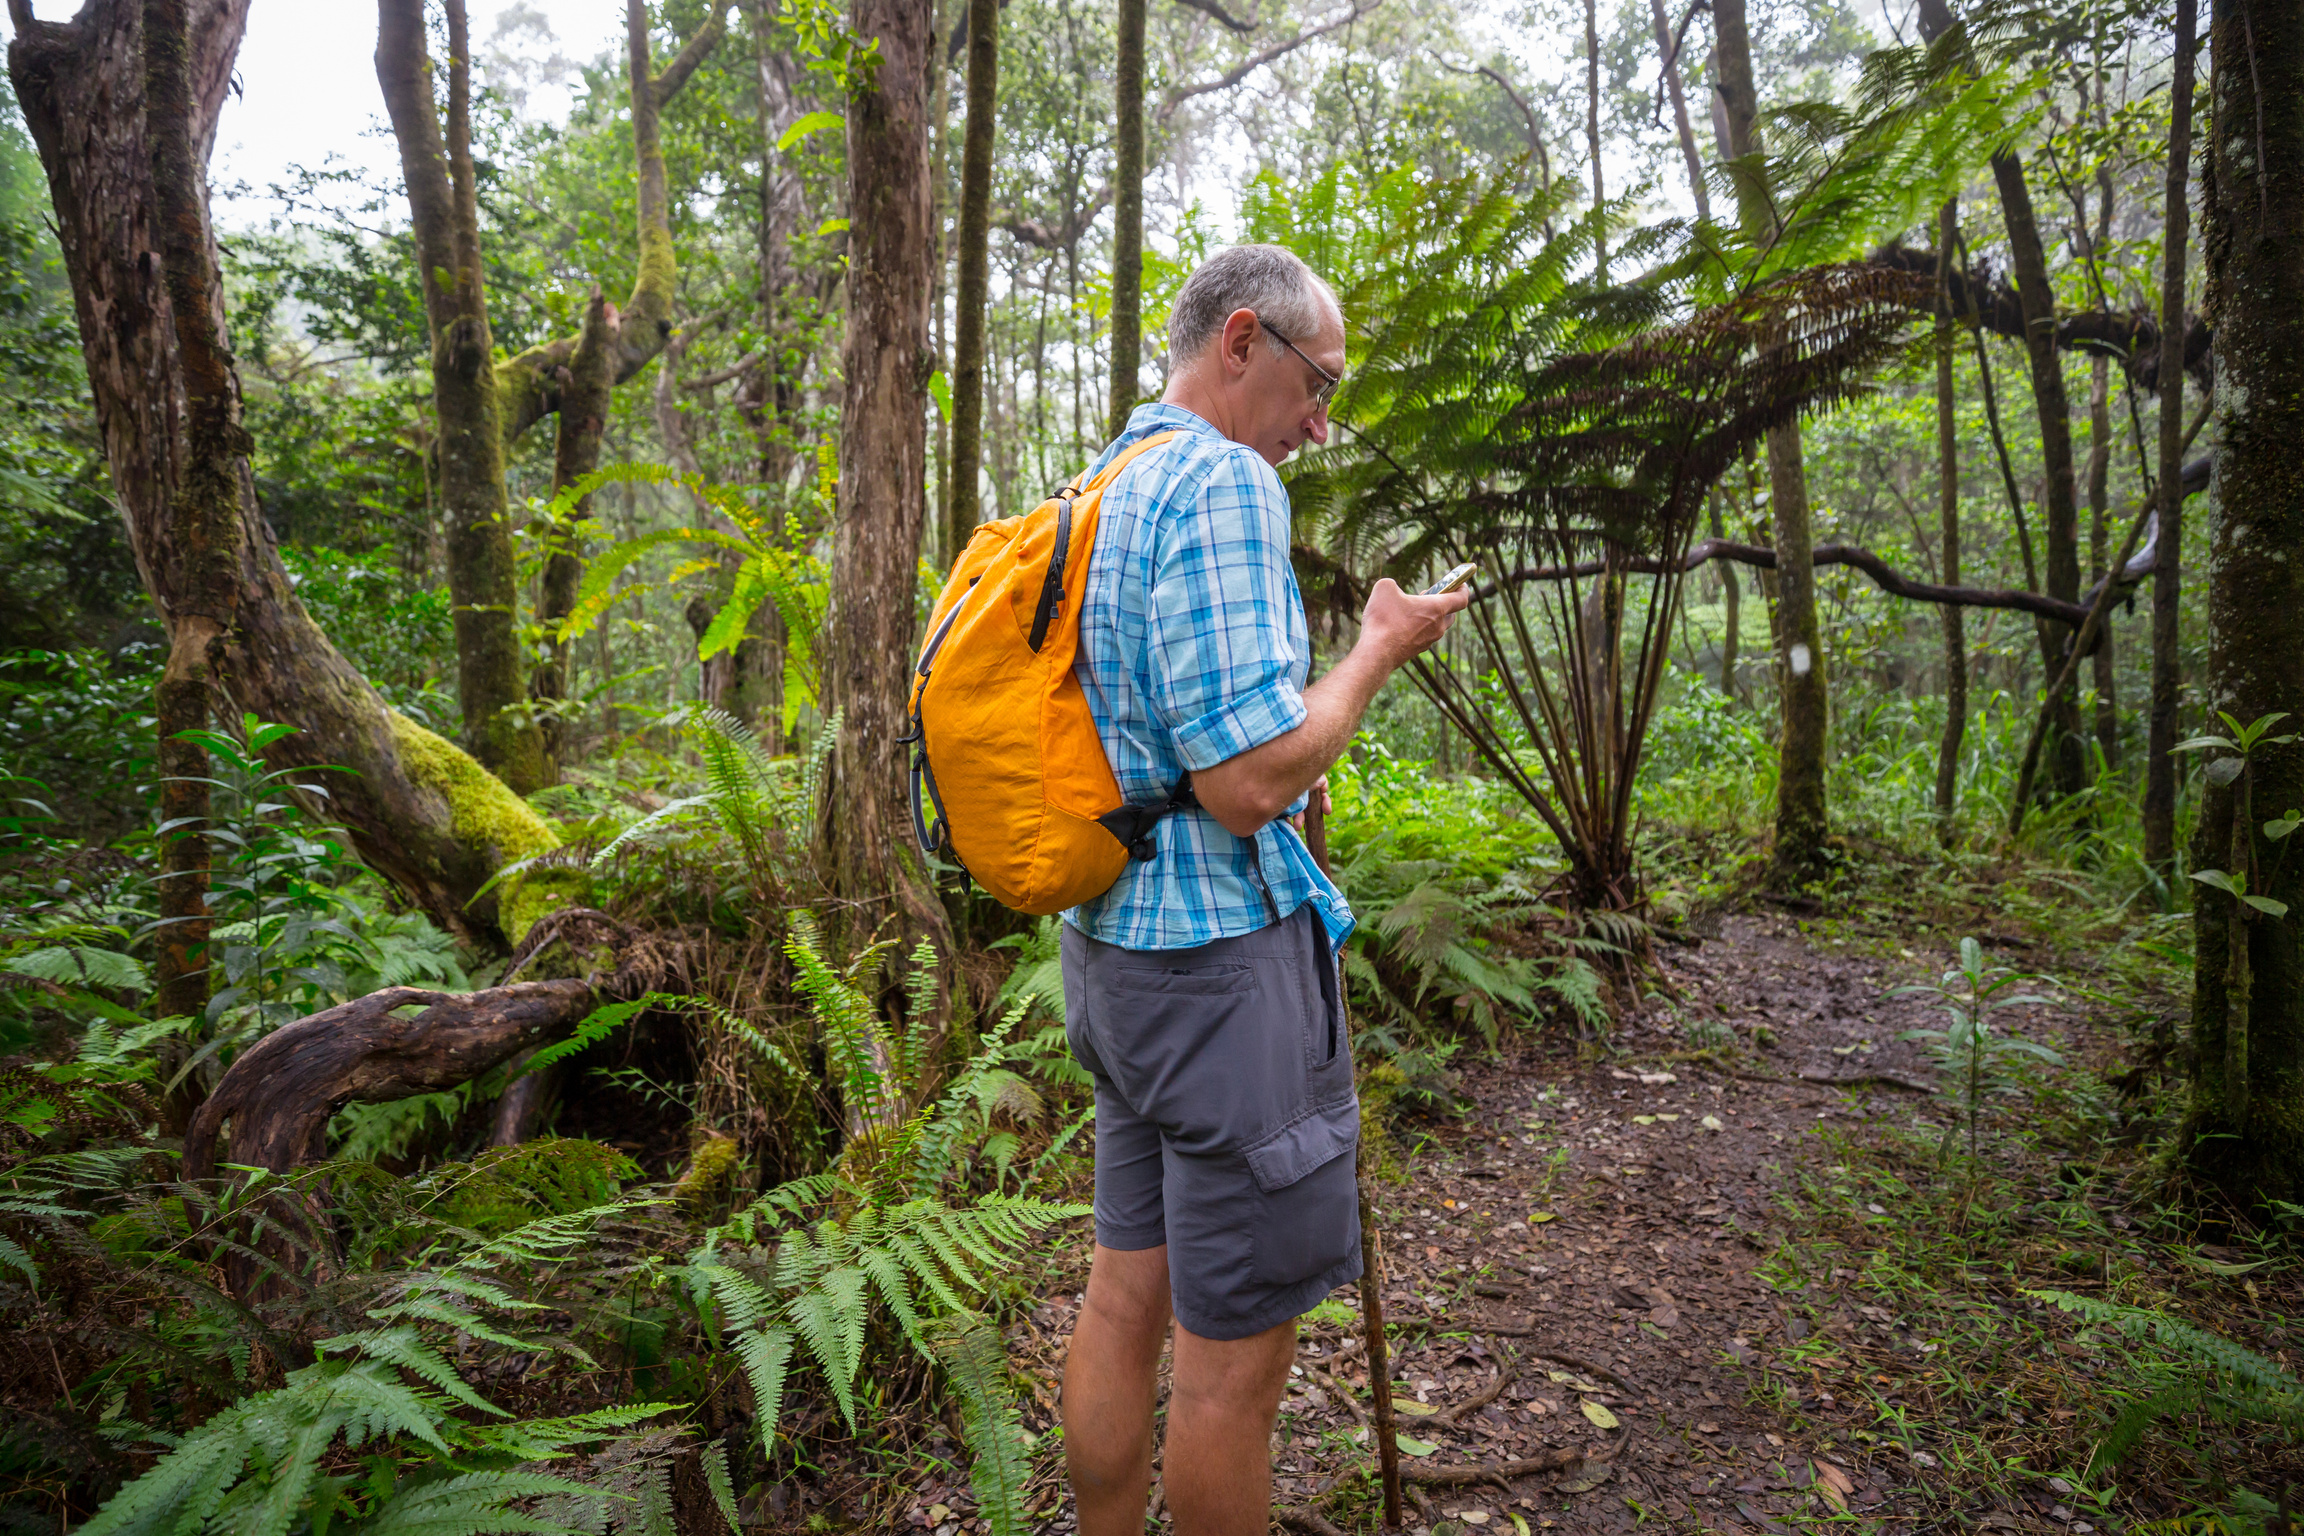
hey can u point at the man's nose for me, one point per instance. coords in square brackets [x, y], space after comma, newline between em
[1316, 424]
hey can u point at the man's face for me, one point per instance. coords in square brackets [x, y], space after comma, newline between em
[1282, 410]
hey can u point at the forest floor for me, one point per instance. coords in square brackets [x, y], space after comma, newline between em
[1748, 1282]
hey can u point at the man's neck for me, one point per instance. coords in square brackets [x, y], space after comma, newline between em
[1192, 393]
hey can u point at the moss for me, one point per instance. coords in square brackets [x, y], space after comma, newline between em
[710, 1172]
[529, 895]
[483, 813]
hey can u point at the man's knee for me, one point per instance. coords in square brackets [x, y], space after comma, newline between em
[1229, 1375]
[1128, 1289]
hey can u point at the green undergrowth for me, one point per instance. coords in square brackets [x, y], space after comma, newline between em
[2032, 1329]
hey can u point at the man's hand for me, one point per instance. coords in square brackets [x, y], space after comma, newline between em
[1245, 792]
[1398, 625]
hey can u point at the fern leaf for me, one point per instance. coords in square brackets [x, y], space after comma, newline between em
[474, 1504]
[405, 1348]
[714, 1455]
[977, 1367]
[820, 1315]
[765, 1353]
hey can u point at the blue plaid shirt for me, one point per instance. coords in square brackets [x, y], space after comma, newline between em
[1193, 650]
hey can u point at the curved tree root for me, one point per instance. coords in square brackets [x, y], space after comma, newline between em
[280, 1094]
[1564, 1459]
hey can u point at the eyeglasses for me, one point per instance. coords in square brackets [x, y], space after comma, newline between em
[1329, 381]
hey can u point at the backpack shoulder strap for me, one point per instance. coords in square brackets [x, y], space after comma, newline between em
[1081, 484]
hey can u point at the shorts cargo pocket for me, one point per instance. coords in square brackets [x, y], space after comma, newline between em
[1311, 1215]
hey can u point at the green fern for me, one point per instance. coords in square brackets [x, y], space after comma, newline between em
[976, 1365]
[2209, 1373]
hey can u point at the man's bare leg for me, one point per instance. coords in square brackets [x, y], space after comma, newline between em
[1217, 1465]
[1111, 1380]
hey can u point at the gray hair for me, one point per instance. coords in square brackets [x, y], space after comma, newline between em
[1269, 279]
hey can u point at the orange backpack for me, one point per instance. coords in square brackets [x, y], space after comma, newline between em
[1003, 746]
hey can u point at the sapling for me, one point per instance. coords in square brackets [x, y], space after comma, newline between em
[1970, 1051]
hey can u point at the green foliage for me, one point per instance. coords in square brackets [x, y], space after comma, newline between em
[1970, 1050]
[398, 633]
[2197, 1371]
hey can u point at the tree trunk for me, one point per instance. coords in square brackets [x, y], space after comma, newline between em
[1127, 219]
[2099, 550]
[975, 275]
[2167, 575]
[1592, 132]
[776, 389]
[443, 208]
[882, 509]
[575, 454]
[1948, 509]
[204, 515]
[1802, 820]
[2246, 1125]
[1668, 50]
[2059, 496]
[529, 384]
[420, 812]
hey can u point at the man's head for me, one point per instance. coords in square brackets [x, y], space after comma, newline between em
[1256, 344]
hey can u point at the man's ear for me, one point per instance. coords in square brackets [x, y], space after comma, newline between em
[1238, 336]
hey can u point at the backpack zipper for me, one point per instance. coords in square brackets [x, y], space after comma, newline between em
[1052, 588]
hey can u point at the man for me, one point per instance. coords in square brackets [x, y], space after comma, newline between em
[1202, 991]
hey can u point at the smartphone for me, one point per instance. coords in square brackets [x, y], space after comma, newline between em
[1452, 580]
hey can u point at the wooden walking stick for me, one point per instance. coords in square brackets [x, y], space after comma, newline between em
[1371, 1255]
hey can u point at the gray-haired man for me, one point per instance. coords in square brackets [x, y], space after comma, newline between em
[1202, 991]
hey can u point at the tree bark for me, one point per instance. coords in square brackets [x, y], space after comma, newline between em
[575, 454]
[882, 508]
[420, 812]
[974, 280]
[1127, 219]
[1802, 817]
[1948, 512]
[204, 514]
[2245, 1129]
[2167, 579]
[2099, 540]
[444, 211]
[529, 383]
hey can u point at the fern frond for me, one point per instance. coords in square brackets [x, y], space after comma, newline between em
[474, 1504]
[766, 1353]
[976, 1364]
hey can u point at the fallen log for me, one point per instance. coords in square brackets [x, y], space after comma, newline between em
[282, 1090]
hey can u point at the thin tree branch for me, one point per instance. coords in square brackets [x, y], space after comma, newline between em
[1256, 61]
[1222, 17]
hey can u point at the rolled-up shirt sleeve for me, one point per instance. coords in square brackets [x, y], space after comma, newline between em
[1227, 674]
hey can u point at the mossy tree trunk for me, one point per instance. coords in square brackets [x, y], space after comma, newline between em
[420, 812]
[1127, 217]
[1803, 824]
[575, 454]
[2246, 1127]
[443, 205]
[528, 384]
[883, 493]
[974, 280]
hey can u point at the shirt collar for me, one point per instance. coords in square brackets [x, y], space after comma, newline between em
[1159, 416]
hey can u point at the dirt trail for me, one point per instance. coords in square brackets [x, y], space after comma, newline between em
[1596, 1228]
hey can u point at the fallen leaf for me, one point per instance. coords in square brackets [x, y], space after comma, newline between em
[1712, 1123]
[1643, 1119]
[1474, 1517]
[939, 1513]
[1834, 1476]
[1592, 1478]
[1519, 1526]
[1707, 1427]
[1599, 1415]
[1411, 1446]
[1667, 1118]
[1412, 1408]
[1540, 1217]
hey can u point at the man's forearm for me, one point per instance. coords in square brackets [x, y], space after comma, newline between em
[1245, 792]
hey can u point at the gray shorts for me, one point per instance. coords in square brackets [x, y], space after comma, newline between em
[1225, 1117]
